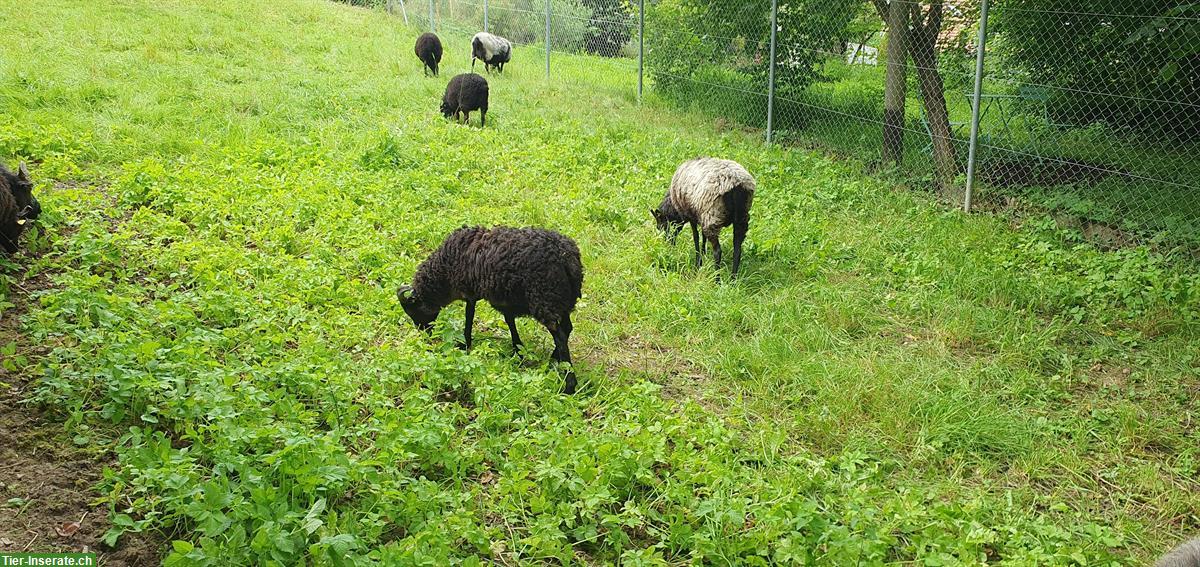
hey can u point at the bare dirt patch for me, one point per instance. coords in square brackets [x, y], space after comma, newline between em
[47, 499]
[680, 378]
[1103, 376]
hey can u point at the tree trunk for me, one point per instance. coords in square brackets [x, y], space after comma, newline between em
[923, 49]
[894, 83]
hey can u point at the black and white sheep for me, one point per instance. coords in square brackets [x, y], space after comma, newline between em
[711, 194]
[18, 206]
[1186, 555]
[464, 93]
[429, 51]
[519, 271]
[493, 50]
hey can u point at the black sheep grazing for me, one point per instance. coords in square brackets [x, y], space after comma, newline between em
[464, 93]
[429, 51]
[521, 272]
[17, 206]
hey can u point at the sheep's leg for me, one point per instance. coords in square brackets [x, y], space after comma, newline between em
[467, 326]
[562, 351]
[512, 331]
[739, 235]
[696, 243]
[715, 238]
[482, 118]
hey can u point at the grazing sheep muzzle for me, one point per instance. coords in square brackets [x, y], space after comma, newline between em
[422, 315]
[670, 227]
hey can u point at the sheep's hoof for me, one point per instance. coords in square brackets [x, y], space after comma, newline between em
[569, 388]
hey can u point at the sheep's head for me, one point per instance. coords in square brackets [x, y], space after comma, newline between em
[28, 207]
[423, 314]
[34, 210]
[669, 223]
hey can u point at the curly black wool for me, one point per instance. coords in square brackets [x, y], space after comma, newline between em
[429, 51]
[17, 206]
[521, 272]
[464, 93]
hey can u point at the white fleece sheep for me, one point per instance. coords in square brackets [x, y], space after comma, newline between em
[493, 50]
[708, 193]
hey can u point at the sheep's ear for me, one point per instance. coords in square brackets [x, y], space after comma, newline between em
[404, 292]
[22, 173]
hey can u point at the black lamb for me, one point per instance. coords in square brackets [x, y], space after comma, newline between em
[521, 272]
[17, 206]
[464, 93]
[429, 51]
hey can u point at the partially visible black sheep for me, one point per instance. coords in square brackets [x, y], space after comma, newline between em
[464, 93]
[429, 51]
[17, 206]
[519, 271]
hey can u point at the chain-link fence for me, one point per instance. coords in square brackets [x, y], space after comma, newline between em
[605, 31]
[1093, 110]
[1087, 109]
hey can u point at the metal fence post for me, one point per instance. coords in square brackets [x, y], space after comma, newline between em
[432, 26]
[547, 40]
[771, 73]
[641, 43]
[391, 9]
[485, 14]
[979, 51]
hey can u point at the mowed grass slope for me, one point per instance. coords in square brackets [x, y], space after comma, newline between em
[234, 190]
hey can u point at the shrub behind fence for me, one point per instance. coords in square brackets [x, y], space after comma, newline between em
[1088, 109]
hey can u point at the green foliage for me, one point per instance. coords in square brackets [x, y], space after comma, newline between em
[522, 21]
[887, 383]
[611, 26]
[1179, 31]
[1130, 64]
[690, 36]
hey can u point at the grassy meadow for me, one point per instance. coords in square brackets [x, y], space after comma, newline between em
[233, 191]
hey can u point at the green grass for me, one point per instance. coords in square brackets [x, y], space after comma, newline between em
[233, 191]
[1142, 184]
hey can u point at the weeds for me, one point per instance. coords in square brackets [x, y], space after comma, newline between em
[234, 204]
